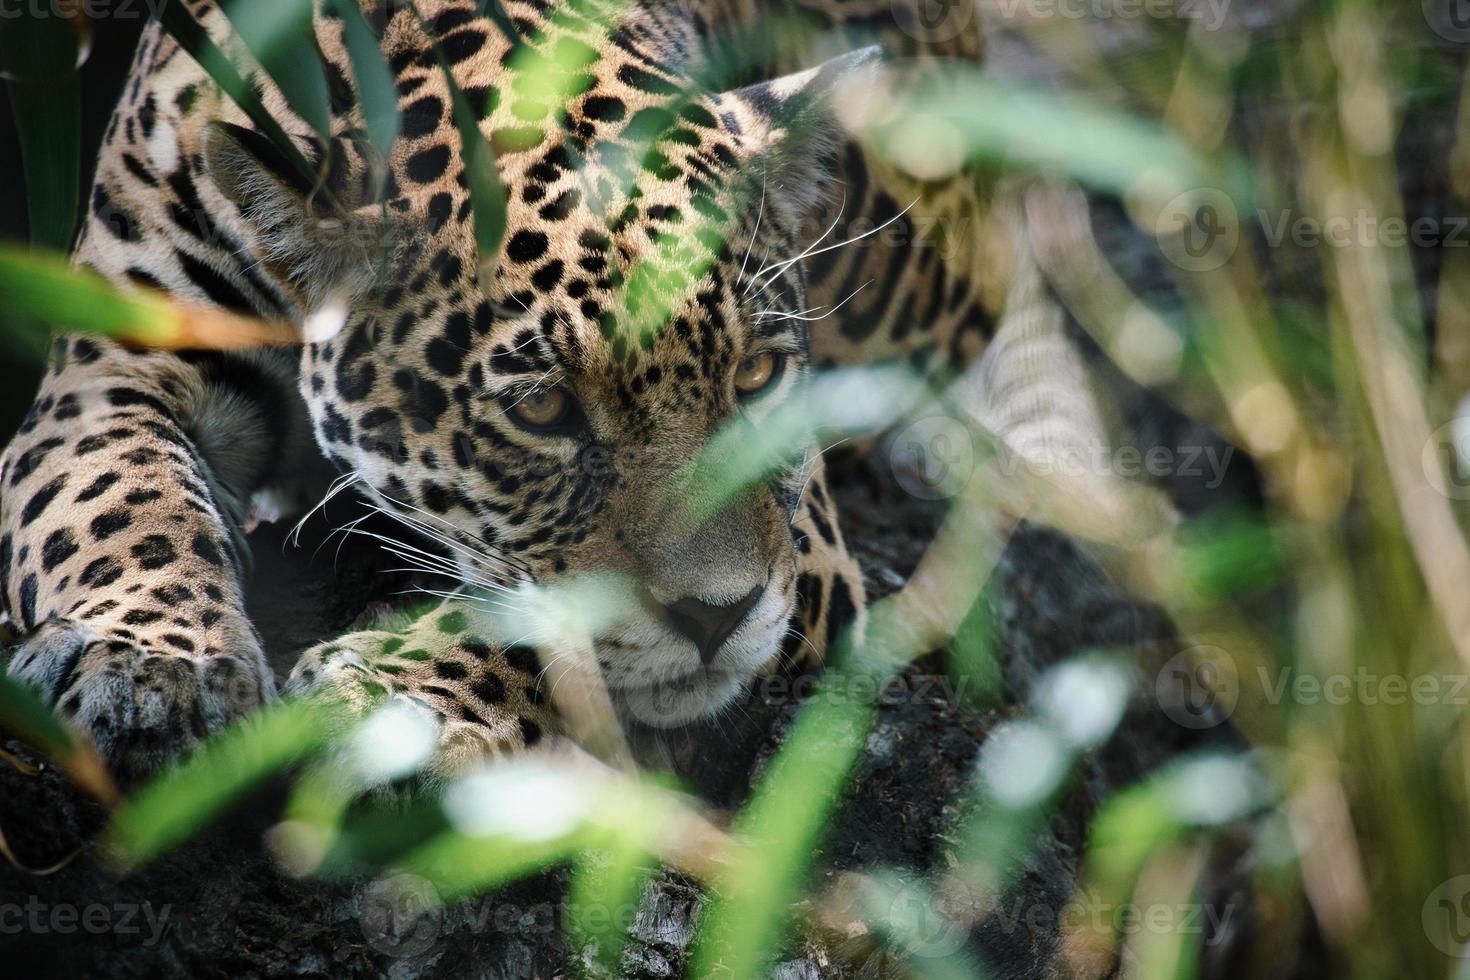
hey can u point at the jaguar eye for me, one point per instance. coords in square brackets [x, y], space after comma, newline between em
[543, 410]
[757, 372]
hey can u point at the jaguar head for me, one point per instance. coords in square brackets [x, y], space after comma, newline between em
[566, 416]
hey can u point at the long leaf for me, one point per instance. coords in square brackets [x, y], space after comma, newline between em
[47, 288]
[191, 36]
[376, 92]
[24, 715]
[182, 799]
[279, 35]
[487, 194]
[37, 55]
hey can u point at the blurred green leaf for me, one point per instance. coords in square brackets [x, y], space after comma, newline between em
[965, 115]
[44, 287]
[191, 36]
[279, 34]
[27, 717]
[607, 884]
[521, 816]
[1228, 554]
[487, 194]
[49, 288]
[182, 799]
[836, 403]
[38, 54]
[1202, 792]
[911, 918]
[783, 825]
[373, 833]
[971, 657]
[376, 91]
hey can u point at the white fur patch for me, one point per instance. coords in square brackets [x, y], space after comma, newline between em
[163, 148]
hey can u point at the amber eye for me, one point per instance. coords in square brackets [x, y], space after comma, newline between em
[756, 372]
[543, 410]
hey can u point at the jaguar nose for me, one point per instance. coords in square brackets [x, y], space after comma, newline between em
[708, 626]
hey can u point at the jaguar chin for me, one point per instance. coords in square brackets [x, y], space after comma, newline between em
[671, 668]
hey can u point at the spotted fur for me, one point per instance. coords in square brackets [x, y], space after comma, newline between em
[647, 229]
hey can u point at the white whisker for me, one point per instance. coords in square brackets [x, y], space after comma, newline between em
[778, 268]
[759, 215]
[813, 319]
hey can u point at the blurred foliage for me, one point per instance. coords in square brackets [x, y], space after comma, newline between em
[1359, 802]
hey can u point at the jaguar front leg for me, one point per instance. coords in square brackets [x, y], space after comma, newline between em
[120, 560]
[485, 696]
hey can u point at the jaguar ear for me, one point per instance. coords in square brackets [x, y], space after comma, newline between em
[324, 240]
[798, 127]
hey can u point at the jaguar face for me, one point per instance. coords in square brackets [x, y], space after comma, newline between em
[556, 420]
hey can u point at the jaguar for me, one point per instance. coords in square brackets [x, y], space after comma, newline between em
[535, 418]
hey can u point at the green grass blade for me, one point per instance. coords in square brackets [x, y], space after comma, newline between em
[24, 714]
[279, 35]
[45, 288]
[376, 93]
[49, 289]
[1202, 792]
[487, 194]
[791, 807]
[604, 896]
[37, 55]
[967, 116]
[840, 402]
[181, 800]
[745, 922]
[27, 717]
[191, 36]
